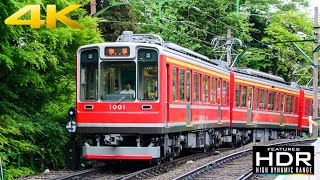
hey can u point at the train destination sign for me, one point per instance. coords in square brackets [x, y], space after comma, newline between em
[275, 160]
[117, 51]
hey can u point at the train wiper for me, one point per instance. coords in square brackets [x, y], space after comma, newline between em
[121, 99]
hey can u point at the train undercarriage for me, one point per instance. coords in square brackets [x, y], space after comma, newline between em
[165, 147]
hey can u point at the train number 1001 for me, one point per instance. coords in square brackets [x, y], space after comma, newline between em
[117, 107]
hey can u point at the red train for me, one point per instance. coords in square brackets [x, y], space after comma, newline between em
[146, 99]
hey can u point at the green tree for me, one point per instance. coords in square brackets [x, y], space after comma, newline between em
[280, 58]
[37, 82]
[116, 19]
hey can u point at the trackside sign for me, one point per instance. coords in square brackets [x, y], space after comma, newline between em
[277, 160]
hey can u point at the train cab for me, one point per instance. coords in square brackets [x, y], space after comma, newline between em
[117, 81]
[118, 97]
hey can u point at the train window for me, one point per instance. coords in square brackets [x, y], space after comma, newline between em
[205, 89]
[282, 103]
[257, 100]
[198, 88]
[271, 100]
[250, 93]
[280, 106]
[112, 89]
[174, 84]
[227, 93]
[224, 93]
[237, 100]
[219, 91]
[181, 87]
[188, 85]
[276, 102]
[263, 99]
[89, 75]
[147, 75]
[244, 96]
[195, 87]
[308, 108]
[213, 90]
[293, 104]
[288, 104]
[296, 105]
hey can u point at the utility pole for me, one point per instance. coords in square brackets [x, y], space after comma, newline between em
[228, 43]
[315, 73]
[93, 6]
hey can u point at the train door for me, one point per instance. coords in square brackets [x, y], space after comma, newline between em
[188, 98]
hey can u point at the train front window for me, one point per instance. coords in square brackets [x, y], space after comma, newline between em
[89, 75]
[147, 75]
[118, 80]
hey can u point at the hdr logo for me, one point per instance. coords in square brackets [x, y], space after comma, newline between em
[52, 16]
[283, 160]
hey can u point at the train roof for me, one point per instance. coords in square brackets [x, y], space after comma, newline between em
[263, 75]
[128, 36]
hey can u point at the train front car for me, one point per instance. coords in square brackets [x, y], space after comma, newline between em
[118, 100]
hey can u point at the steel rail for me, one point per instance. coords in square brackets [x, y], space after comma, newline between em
[245, 176]
[80, 173]
[216, 163]
[156, 170]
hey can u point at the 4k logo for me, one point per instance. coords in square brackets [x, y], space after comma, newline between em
[52, 17]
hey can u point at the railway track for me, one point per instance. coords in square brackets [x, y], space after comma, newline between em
[98, 173]
[234, 166]
[160, 171]
[162, 168]
[79, 174]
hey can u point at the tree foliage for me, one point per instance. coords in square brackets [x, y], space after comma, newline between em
[37, 82]
[194, 24]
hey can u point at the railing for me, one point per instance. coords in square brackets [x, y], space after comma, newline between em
[3, 166]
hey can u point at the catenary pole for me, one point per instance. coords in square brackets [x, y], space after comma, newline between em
[315, 73]
[229, 57]
[93, 6]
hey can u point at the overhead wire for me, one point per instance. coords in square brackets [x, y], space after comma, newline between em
[231, 27]
[152, 24]
[199, 28]
[191, 24]
[184, 22]
[228, 26]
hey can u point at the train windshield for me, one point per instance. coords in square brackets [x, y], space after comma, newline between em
[89, 75]
[147, 75]
[118, 80]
